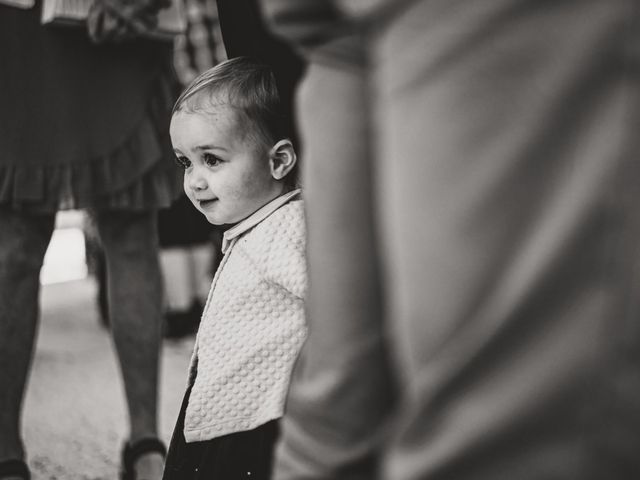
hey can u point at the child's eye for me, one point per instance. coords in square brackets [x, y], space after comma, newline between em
[211, 160]
[183, 162]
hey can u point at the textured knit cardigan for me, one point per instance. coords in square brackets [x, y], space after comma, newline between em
[252, 327]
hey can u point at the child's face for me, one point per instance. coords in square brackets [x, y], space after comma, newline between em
[227, 177]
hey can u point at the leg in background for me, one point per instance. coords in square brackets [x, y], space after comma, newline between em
[23, 243]
[135, 298]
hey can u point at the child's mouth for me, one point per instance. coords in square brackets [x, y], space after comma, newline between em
[207, 203]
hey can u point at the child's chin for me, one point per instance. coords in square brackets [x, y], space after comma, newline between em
[214, 220]
[212, 217]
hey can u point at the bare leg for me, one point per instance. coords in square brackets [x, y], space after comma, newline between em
[23, 242]
[135, 292]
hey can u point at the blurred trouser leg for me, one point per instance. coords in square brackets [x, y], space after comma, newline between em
[186, 277]
[340, 391]
[179, 278]
[23, 243]
[506, 175]
[508, 164]
[202, 259]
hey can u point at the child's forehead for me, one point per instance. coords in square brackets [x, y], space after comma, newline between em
[218, 116]
[214, 104]
[222, 116]
[217, 109]
[222, 122]
[209, 101]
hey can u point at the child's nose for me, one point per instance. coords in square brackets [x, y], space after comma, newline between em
[197, 182]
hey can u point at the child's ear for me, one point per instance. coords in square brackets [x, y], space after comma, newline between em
[282, 159]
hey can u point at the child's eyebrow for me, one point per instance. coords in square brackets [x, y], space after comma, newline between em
[210, 147]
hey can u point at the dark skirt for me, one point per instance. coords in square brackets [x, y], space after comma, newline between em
[244, 455]
[83, 125]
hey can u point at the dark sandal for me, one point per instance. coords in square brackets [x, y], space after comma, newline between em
[131, 453]
[14, 468]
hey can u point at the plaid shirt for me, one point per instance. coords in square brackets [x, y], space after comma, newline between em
[201, 45]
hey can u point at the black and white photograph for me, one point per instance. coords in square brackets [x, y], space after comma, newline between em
[319, 240]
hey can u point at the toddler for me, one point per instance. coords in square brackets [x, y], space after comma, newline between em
[231, 138]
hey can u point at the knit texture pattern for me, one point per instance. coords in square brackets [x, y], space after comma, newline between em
[252, 329]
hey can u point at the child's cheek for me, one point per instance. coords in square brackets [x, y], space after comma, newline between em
[255, 184]
[241, 189]
[185, 186]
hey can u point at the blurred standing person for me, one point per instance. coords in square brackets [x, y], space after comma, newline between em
[471, 181]
[85, 126]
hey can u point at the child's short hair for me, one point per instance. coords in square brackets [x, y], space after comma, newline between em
[249, 87]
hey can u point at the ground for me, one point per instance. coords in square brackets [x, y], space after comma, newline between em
[74, 417]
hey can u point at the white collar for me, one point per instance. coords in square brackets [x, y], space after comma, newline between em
[255, 218]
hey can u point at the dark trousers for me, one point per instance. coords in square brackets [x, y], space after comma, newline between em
[241, 455]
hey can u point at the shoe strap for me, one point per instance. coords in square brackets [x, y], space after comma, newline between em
[15, 468]
[133, 451]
